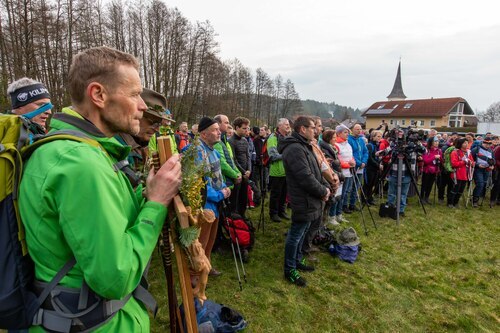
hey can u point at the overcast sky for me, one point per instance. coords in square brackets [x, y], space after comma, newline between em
[348, 51]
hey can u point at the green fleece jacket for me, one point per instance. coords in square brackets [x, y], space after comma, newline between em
[73, 203]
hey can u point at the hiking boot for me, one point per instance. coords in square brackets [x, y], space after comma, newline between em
[346, 210]
[302, 266]
[451, 206]
[342, 219]
[332, 220]
[275, 218]
[475, 204]
[354, 209]
[402, 214]
[284, 216]
[294, 277]
[214, 272]
[440, 201]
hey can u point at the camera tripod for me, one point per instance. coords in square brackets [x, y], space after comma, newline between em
[357, 188]
[402, 159]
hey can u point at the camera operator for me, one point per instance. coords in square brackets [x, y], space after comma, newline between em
[485, 162]
[433, 160]
[407, 151]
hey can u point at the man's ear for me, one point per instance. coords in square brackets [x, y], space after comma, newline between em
[97, 94]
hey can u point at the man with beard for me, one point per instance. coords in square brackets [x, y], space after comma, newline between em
[307, 190]
[80, 213]
[149, 124]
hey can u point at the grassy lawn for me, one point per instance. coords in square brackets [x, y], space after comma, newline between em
[432, 273]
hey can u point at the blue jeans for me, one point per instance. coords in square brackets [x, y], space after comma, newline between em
[393, 191]
[480, 178]
[346, 187]
[293, 244]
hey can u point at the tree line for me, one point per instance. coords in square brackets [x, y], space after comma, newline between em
[38, 39]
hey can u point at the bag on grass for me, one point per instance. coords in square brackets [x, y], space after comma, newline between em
[346, 245]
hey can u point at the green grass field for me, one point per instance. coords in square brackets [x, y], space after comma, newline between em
[432, 273]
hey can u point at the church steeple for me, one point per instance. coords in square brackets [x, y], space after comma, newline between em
[397, 91]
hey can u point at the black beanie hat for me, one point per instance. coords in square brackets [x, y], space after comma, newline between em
[205, 123]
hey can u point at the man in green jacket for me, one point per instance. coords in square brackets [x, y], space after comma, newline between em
[277, 176]
[232, 176]
[73, 202]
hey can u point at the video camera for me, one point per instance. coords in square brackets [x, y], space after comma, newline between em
[406, 140]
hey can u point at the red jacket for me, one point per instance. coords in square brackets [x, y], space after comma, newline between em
[382, 145]
[462, 168]
[429, 165]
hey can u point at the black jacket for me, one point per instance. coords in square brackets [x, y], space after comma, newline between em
[240, 148]
[330, 152]
[306, 186]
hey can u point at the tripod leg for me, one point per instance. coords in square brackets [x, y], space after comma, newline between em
[356, 180]
[363, 195]
[415, 184]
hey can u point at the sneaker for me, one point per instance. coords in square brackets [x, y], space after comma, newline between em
[475, 205]
[294, 277]
[284, 216]
[342, 219]
[353, 209]
[302, 266]
[275, 218]
[370, 202]
[332, 220]
[451, 206]
[346, 210]
[214, 272]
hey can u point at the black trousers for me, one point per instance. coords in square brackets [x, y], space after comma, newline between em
[239, 198]
[372, 178]
[444, 183]
[277, 198]
[456, 192]
[427, 183]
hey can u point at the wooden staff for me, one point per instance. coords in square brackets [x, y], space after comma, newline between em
[176, 324]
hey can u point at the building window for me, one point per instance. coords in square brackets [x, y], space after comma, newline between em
[381, 106]
[455, 121]
[392, 122]
[433, 123]
[413, 122]
[422, 123]
[408, 105]
[395, 106]
[403, 122]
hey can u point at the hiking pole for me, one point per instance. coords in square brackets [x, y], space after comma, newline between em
[354, 178]
[224, 209]
[262, 200]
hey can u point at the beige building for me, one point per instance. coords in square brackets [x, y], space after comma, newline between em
[421, 113]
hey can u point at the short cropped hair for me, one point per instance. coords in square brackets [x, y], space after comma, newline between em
[22, 82]
[96, 64]
[240, 121]
[302, 121]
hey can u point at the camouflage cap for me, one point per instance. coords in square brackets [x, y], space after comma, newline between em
[157, 105]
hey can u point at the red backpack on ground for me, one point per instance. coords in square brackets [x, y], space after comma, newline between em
[240, 230]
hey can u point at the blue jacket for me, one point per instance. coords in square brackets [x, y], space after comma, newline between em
[359, 150]
[215, 183]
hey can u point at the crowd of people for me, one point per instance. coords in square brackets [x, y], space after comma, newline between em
[321, 174]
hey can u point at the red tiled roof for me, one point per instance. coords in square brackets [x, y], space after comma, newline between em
[434, 107]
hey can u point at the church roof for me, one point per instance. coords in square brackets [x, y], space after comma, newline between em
[397, 90]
